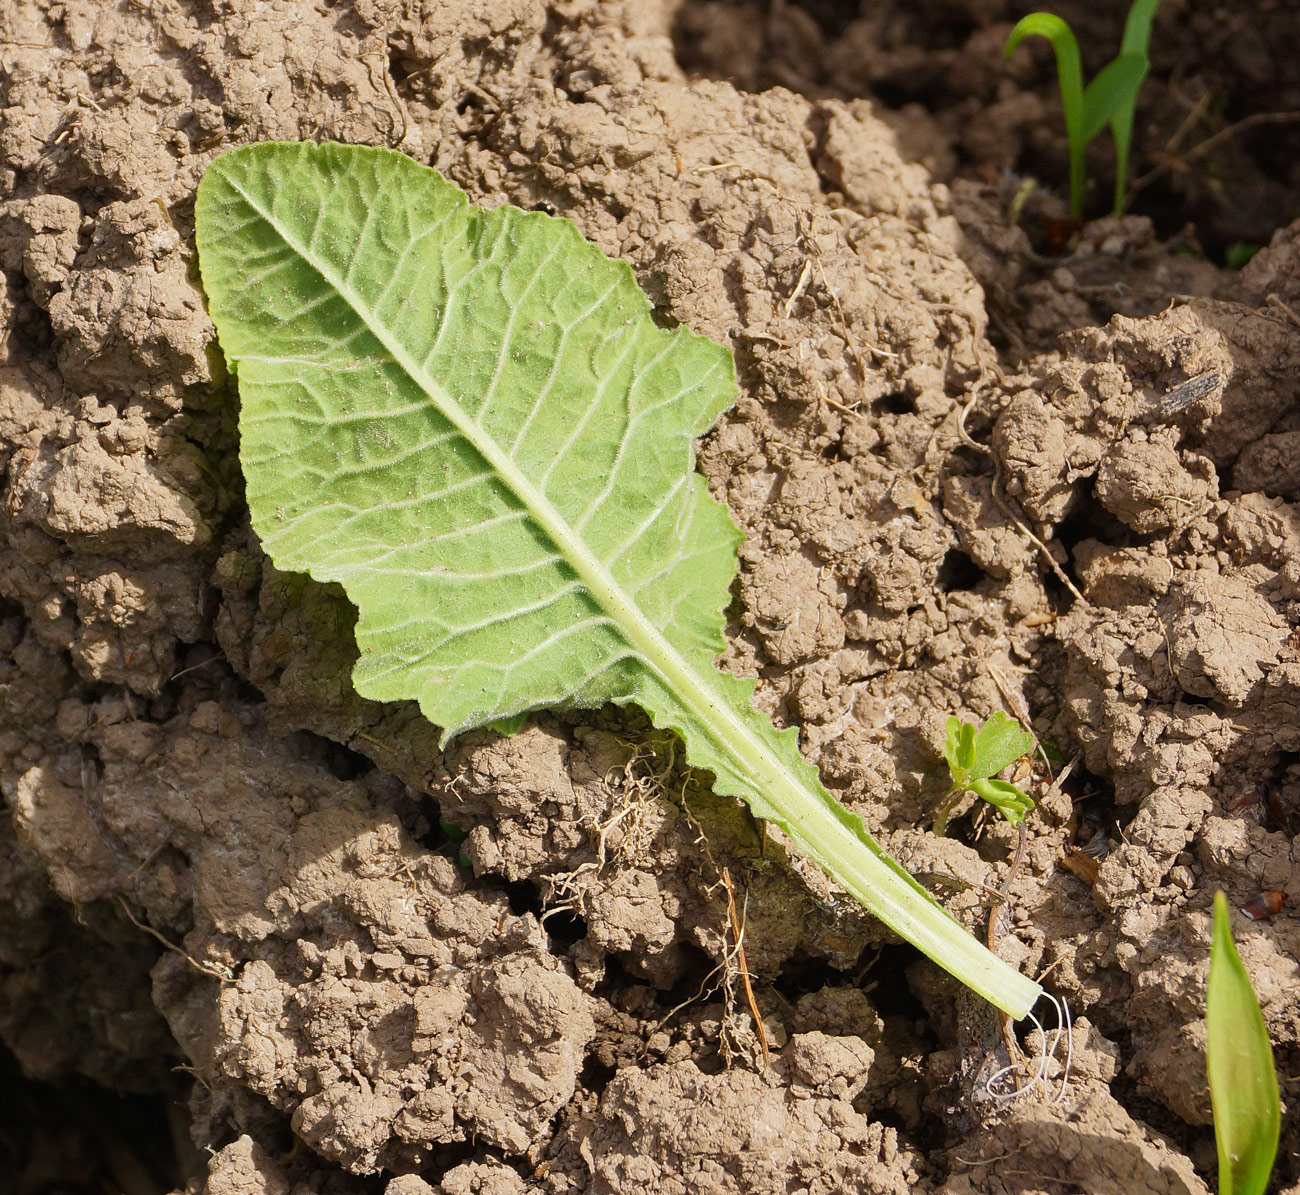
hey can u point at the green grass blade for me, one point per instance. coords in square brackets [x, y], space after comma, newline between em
[1137, 37]
[1239, 1063]
[1112, 91]
[470, 420]
[1112, 96]
[1137, 27]
[1069, 74]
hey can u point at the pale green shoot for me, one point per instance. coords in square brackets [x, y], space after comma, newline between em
[470, 420]
[975, 756]
[1110, 98]
[1239, 1064]
[1137, 37]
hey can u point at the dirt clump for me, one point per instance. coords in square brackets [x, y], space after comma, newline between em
[972, 477]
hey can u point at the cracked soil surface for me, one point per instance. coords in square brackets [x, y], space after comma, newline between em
[974, 474]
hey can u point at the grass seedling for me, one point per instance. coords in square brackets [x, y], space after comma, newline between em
[1239, 1064]
[1110, 98]
[975, 756]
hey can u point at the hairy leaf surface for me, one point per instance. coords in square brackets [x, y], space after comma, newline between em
[469, 419]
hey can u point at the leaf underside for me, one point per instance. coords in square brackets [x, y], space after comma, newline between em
[469, 419]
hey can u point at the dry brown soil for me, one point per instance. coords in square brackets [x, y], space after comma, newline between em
[261, 937]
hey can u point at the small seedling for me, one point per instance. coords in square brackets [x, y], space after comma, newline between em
[1237, 255]
[975, 756]
[1239, 1064]
[1110, 98]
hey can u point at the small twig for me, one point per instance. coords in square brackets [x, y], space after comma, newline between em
[1063, 775]
[990, 934]
[217, 972]
[1240, 126]
[494, 104]
[799, 287]
[1276, 300]
[701, 993]
[1201, 148]
[733, 957]
[739, 934]
[1195, 111]
[395, 99]
[947, 803]
[836, 405]
[1004, 890]
[991, 937]
[1016, 703]
[212, 659]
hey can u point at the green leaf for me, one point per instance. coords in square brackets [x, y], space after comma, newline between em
[974, 755]
[1112, 89]
[959, 750]
[1010, 800]
[1238, 254]
[1069, 76]
[469, 419]
[1137, 36]
[1137, 27]
[999, 743]
[1041, 24]
[1239, 1064]
[510, 725]
[1052, 754]
[455, 833]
